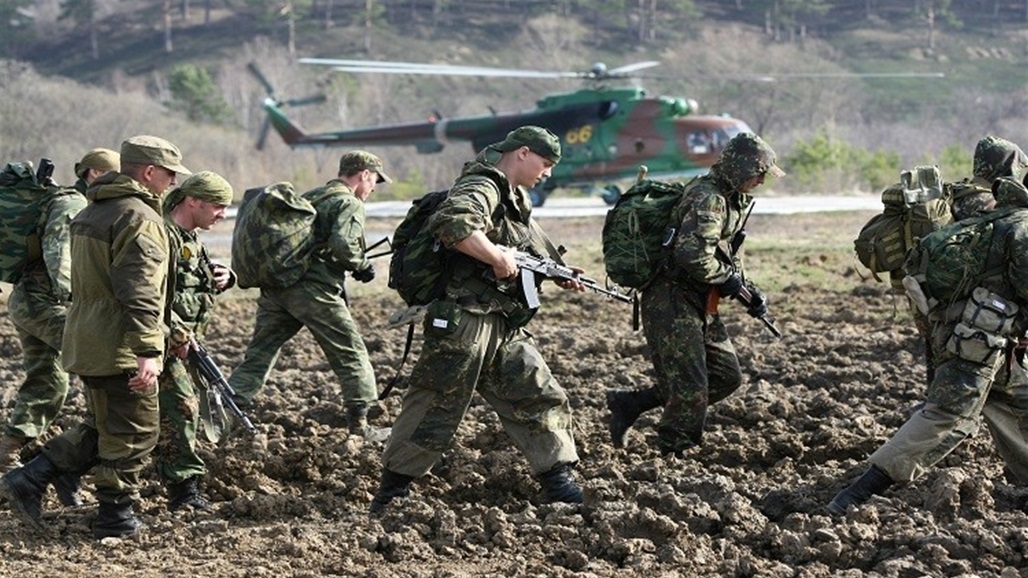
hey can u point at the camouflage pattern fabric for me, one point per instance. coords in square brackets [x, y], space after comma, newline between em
[38, 307]
[272, 238]
[970, 197]
[996, 157]
[21, 204]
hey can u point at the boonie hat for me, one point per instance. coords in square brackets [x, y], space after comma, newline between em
[100, 159]
[356, 161]
[538, 140]
[152, 150]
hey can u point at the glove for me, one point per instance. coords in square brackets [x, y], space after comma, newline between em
[364, 275]
[731, 286]
[758, 303]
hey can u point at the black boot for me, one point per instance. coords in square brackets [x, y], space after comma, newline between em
[559, 486]
[625, 407]
[67, 488]
[25, 487]
[116, 521]
[186, 494]
[357, 419]
[393, 485]
[874, 481]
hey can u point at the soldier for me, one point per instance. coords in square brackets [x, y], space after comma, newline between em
[113, 339]
[962, 388]
[318, 300]
[97, 163]
[198, 203]
[38, 306]
[695, 362]
[474, 336]
[994, 157]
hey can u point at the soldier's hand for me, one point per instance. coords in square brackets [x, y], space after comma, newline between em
[146, 374]
[758, 303]
[365, 275]
[224, 278]
[731, 286]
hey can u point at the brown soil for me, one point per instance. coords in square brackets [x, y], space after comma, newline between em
[293, 499]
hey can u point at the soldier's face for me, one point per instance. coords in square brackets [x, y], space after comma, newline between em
[534, 168]
[366, 184]
[159, 179]
[207, 214]
[752, 183]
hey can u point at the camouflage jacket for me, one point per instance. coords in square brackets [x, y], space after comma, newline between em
[478, 202]
[51, 275]
[708, 216]
[338, 233]
[1010, 248]
[192, 280]
[119, 256]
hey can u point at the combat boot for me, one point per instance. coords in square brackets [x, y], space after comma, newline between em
[10, 452]
[393, 485]
[357, 419]
[67, 488]
[116, 521]
[186, 493]
[559, 486]
[25, 487]
[874, 481]
[625, 407]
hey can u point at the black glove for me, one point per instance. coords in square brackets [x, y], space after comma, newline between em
[758, 303]
[364, 275]
[731, 287]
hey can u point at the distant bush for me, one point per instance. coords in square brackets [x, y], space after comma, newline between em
[827, 163]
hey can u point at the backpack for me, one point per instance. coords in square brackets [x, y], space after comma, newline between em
[635, 231]
[22, 196]
[273, 237]
[914, 208]
[949, 263]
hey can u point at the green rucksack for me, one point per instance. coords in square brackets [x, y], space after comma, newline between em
[273, 237]
[914, 208]
[635, 232]
[23, 193]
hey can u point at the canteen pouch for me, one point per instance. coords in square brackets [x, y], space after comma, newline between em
[442, 318]
[975, 344]
[989, 312]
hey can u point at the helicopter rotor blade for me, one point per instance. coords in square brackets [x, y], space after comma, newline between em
[629, 68]
[387, 67]
[315, 99]
[263, 136]
[256, 72]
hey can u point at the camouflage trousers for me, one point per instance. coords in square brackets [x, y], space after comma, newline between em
[694, 360]
[176, 455]
[479, 353]
[39, 320]
[961, 393]
[119, 433]
[281, 313]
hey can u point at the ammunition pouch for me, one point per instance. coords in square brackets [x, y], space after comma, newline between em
[985, 325]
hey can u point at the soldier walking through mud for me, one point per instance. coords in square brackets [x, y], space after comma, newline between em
[38, 306]
[966, 387]
[695, 362]
[474, 336]
[113, 340]
[318, 300]
[198, 203]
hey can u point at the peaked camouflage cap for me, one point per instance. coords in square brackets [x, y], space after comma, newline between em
[996, 157]
[538, 140]
[746, 156]
[356, 161]
[100, 159]
[153, 150]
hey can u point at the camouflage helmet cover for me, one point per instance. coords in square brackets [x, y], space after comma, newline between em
[996, 157]
[747, 156]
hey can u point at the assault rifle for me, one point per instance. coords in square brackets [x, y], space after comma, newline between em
[45, 172]
[530, 266]
[220, 393]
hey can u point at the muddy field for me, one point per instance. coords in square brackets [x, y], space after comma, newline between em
[293, 499]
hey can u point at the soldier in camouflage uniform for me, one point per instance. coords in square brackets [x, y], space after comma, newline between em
[95, 164]
[964, 388]
[474, 336]
[38, 306]
[113, 340]
[198, 203]
[695, 362]
[318, 300]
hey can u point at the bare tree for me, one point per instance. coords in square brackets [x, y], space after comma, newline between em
[168, 47]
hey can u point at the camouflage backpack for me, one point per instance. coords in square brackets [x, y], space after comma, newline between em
[273, 237]
[636, 230]
[23, 193]
[914, 208]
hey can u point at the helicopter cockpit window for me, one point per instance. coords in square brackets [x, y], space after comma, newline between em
[608, 108]
[699, 143]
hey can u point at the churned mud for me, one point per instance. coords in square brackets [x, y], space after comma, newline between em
[292, 500]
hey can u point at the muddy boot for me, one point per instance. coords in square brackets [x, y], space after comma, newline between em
[357, 419]
[116, 521]
[559, 486]
[25, 487]
[186, 494]
[67, 488]
[393, 485]
[874, 481]
[625, 407]
[10, 452]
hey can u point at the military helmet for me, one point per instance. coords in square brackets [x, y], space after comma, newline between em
[747, 156]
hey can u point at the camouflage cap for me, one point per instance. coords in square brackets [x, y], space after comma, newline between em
[996, 157]
[100, 159]
[747, 155]
[152, 150]
[538, 140]
[356, 161]
[208, 186]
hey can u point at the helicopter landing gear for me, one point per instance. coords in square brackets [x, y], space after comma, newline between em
[611, 194]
